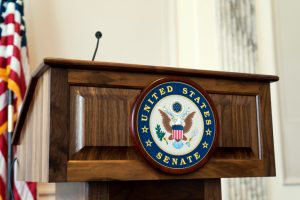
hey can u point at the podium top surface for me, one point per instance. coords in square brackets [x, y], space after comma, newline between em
[98, 65]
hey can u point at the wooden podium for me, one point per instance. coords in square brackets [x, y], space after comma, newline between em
[74, 127]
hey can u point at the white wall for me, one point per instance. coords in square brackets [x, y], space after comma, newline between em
[134, 31]
[286, 14]
[197, 35]
[279, 36]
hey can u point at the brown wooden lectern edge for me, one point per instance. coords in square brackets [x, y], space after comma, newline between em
[80, 64]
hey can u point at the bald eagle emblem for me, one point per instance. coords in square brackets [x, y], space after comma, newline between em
[177, 122]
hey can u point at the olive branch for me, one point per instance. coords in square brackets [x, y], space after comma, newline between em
[160, 133]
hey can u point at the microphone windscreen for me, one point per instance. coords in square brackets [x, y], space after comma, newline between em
[98, 34]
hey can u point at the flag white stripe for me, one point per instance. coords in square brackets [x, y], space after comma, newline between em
[2, 167]
[15, 65]
[17, 40]
[22, 188]
[7, 50]
[3, 102]
[7, 29]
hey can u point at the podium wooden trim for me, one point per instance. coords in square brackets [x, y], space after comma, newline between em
[74, 125]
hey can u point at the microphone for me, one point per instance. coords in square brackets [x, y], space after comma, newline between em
[98, 35]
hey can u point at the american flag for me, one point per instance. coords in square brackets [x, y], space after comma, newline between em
[14, 70]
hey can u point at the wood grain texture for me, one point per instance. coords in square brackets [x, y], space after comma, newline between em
[130, 153]
[27, 101]
[33, 151]
[98, 190]
[266, 130]
[94, 170]
[92, 108]
[89, 104]
[208, 189]
[59, 125]
[106, 153]
[125, 67]
[145, 74]
[99, 116]
[237, 103]
[158, 190]
[212, 189]
[136, 80]
[238, 119]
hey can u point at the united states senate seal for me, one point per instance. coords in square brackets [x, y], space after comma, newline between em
[174, 124]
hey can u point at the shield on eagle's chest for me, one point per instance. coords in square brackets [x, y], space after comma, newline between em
[177, 132]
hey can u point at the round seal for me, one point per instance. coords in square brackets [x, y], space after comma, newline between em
[174, 124]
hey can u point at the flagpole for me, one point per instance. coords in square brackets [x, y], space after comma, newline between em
[10, 122]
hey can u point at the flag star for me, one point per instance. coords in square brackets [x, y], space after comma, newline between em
[145, 129]
[205, 144]
[148, 143]
[208, 132]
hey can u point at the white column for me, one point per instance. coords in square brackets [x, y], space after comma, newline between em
[239, 53]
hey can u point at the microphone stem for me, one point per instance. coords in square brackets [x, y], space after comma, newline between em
[95, 52]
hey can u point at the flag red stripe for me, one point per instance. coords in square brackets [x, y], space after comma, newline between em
[3, 146]
[4, 62]
[21, 83]
[3, 116]
[10, 19]
[16, 193]
[3, 87]
[7, 40]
